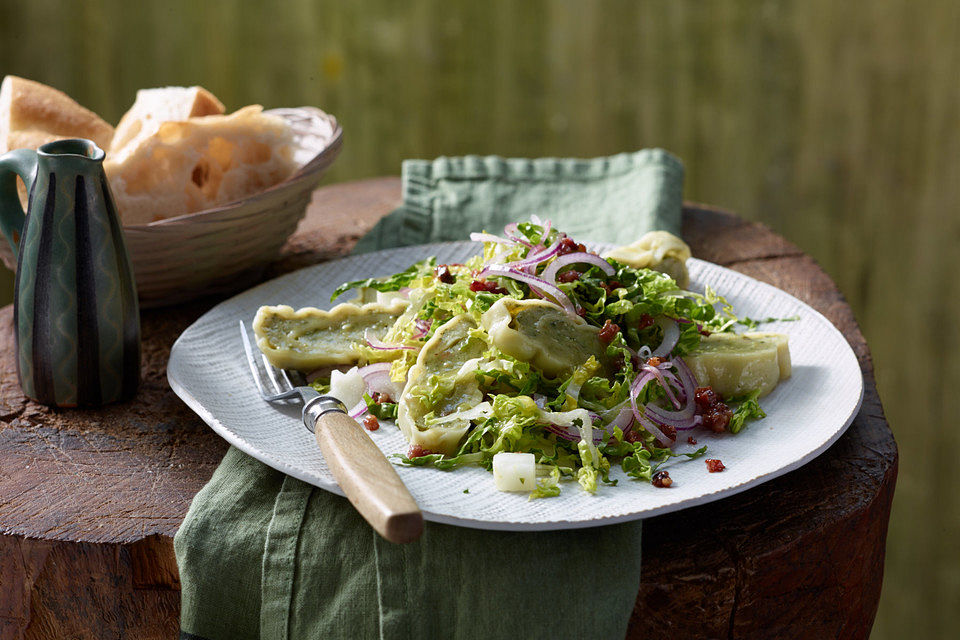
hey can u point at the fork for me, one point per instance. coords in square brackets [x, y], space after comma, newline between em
[363, 472]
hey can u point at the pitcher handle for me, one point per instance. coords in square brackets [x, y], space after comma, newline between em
[23, 163]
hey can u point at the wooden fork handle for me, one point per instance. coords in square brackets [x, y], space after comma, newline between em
[368, 478]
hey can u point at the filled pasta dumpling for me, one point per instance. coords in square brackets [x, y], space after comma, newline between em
[658, 250]
[541, 333]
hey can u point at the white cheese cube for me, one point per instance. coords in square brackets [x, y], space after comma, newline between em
[515, 471]
[347, 387]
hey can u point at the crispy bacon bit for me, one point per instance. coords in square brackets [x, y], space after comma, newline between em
[443, 274]
[567, 245]
[632, 436]
[646, 320]
[608, 332]
[706, 397]
[610, 286]
[486, 285]
[380, 398]
[713, 411]
[569, 276]
[417, 451]
[717, 417]
[661, 479]
[655, 361]
[581, 312]
[670, 432]
[370, 422]
[691, 440]
[714, 465]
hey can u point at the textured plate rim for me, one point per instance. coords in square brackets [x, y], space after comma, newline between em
[240, 443]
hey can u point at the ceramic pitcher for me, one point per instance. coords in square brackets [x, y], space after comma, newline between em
[75, 310]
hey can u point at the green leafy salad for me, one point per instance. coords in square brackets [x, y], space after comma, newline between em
[539, 359]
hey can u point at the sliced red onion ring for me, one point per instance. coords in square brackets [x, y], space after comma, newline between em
[536, 258]
[377, 378]
[373, 370]
[547, 226]
[682, 419]
[513, 232]
[579, 257]
[550, 290]
[374, 343]
[358, 410]
[663, 383]
[623, 420]
[656, 417]
[671, 334]
[422, 327]
[573, 434]
[651, 428]
[671, 377]
[638, 384]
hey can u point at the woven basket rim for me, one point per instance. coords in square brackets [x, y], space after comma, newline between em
[315, 165]
[244, 212]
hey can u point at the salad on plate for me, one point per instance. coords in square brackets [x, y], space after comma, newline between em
[538, 359]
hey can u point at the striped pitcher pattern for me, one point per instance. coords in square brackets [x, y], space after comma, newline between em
[76, 315]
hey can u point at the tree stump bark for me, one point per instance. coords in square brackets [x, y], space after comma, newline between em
[90, 500]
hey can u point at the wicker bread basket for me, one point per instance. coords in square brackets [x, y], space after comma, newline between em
[223, 249]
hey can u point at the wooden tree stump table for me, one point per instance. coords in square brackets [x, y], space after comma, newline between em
[90, 500]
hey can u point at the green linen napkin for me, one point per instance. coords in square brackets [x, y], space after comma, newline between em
[264, 555]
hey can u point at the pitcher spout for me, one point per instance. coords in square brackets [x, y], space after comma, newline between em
[72, 147]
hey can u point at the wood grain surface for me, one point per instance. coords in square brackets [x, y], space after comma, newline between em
[90, 500]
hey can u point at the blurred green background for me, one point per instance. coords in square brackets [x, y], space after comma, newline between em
[837, 124]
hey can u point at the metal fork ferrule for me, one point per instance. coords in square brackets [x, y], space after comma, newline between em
[317, 407]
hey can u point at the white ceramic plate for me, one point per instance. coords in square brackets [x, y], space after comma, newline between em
[805, 414]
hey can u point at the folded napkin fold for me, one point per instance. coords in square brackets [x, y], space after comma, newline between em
[264, 555]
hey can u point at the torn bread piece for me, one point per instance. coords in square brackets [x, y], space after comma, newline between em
[201, 163]
[32, 114]
[152, 108]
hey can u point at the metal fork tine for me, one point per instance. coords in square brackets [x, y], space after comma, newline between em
[272, 375]
[283, 391]
[251, 361]
[286, 379]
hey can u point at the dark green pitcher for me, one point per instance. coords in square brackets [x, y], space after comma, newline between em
[75, 310]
